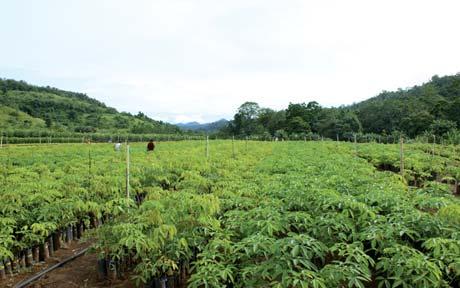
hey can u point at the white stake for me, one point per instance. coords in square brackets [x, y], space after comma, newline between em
[207, 146]
[356, 145]
[127, 171]
[233, 146]
[401, 156]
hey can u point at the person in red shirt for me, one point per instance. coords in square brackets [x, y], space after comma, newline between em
[150, 146]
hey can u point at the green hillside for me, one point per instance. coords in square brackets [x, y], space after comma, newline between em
[25, 106]
[434, 105]
[429, 109]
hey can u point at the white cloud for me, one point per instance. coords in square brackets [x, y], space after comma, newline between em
[199, 60]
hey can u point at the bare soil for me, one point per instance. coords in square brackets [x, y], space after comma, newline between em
[81, 272]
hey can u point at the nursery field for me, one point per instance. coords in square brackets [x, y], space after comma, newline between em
[238, 214]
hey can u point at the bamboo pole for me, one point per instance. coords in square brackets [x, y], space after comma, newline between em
[127, 171]
[233, 146]
[207, 146]
[356, 143]
[89, 167]
[401, 156]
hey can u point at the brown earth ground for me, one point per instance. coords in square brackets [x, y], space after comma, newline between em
[80, 272]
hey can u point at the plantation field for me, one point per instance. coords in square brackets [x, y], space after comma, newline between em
[252, 214]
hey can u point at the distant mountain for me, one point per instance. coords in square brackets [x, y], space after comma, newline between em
[28, 107]
[205, 127]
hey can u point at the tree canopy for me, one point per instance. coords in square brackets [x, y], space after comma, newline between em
[433, 107]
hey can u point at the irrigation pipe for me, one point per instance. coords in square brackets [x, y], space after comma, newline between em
[26, 282]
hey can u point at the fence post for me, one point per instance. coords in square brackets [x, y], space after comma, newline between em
[441, 147]
[233, 146]
[127, 171]
[356, 143]
[434, 142]
[401, 156]
[207, 146]
[89, 167]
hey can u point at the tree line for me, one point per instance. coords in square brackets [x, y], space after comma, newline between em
[429, 109]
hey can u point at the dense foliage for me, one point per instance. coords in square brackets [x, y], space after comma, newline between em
[253, 214]
[432, 108]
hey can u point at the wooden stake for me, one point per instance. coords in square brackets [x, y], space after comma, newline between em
[434, 142]
[401, 156]
[89, 168]
[207, 146]
[127, 171]
[441, 147]
[233, 146]
[356, 143]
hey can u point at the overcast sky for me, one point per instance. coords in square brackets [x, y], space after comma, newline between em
[199, 60]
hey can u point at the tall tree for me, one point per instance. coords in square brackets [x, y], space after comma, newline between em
[245, 120]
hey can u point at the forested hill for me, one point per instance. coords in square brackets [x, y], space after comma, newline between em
[24, 106]
[435, 104]
[430, 109]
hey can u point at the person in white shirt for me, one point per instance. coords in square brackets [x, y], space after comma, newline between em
[117, 146]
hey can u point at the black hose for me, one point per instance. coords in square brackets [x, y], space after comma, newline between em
[37, 276]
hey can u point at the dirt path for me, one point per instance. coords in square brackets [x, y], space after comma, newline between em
[80, 272]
